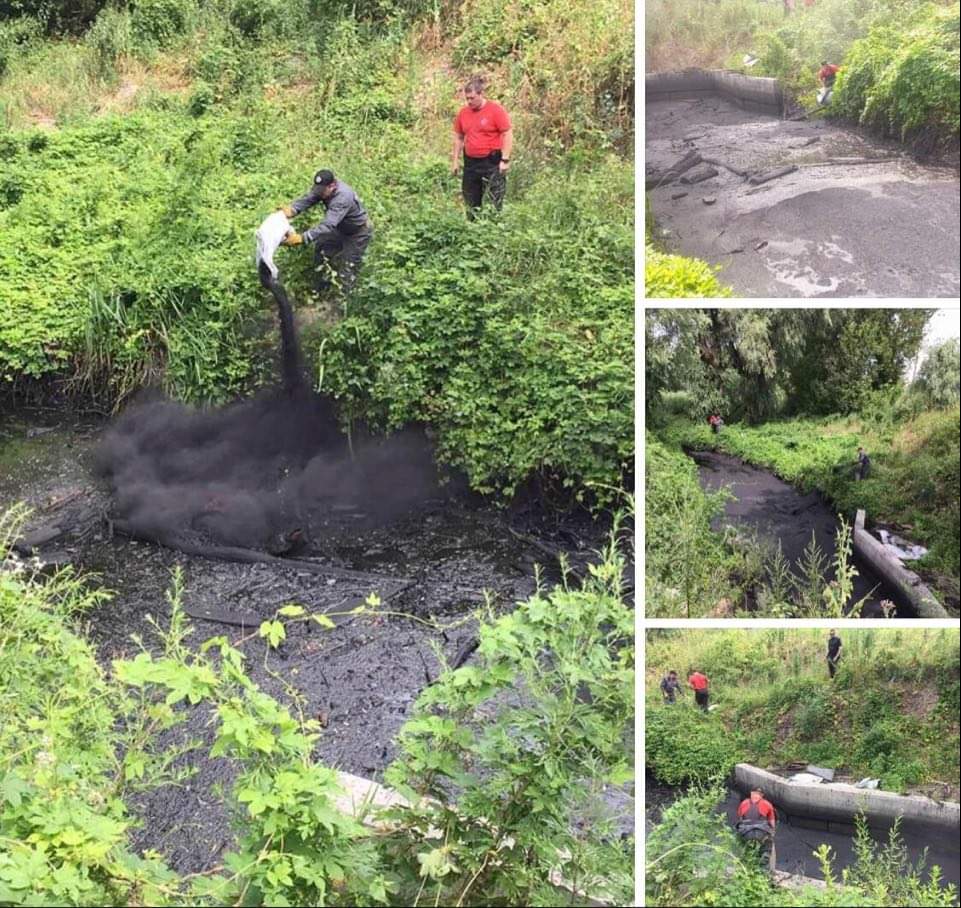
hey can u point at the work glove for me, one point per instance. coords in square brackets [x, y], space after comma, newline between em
[292, 239]
[287, 210]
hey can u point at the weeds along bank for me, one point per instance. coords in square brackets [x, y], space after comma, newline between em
[140, 154]
[890, 712]
[80, 742]
[900, 60]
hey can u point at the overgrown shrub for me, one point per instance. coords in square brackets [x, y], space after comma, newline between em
[904, 81]
[676, 277]
[155, 23]
[683, 744]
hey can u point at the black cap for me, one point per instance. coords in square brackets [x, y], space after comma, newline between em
[323, 177]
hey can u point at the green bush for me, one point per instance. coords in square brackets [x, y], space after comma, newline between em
[904, 81]
[684, 745]
[110, 37]
[686, 564]
[674, 276]
[155, 23]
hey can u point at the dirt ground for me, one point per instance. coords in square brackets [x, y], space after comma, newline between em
[889, 228]
[361, 677]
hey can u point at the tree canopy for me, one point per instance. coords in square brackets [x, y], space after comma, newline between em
[756, 364]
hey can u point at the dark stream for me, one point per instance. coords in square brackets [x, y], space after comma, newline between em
[796, 840]
[778, 512]
[360, 678]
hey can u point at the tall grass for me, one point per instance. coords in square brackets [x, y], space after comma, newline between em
[705, 33]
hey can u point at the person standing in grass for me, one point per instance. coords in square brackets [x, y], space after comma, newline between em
[699, 684]
[484, 136]
[670, 687]
[864, 464]
[834, 652]
[756, 824]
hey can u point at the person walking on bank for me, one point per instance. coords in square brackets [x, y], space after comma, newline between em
[670, 687]
[757, 823]
[484, 136]
[699, 684]
[864, 464]
[341, 238]
[834, 653]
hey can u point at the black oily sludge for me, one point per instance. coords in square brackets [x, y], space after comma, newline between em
[258, 473]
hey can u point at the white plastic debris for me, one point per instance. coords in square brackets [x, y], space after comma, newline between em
[900, 548]
[868, 783]
[274, 228]
[750, 60]
[806, 778]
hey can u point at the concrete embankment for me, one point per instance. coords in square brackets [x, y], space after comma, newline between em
[757, 93]
[907, 583]
[834, 805]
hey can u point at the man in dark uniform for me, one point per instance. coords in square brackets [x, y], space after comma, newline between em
[341, 238]
[670, 687]
[834, 653]
[864, 464]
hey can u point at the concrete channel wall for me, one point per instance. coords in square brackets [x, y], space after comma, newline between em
[906, 582]
[836, 803]
[749, 92]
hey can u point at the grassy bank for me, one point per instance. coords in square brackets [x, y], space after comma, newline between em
[890, 712]
[140, 155]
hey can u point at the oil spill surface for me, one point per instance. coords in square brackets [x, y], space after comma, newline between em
[780, 513]
[360, 678]
[886, 228]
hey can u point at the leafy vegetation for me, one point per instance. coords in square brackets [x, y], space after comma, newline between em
[694, 858]
[765, 366]
[777, 705]
[677, 277]
[504, 775]
[138, 160]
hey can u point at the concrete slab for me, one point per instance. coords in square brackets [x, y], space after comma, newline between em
[841, 802]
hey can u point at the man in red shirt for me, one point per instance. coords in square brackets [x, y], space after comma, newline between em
[483, 134]
[700, 685]
[756, 823]
[828, 73]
